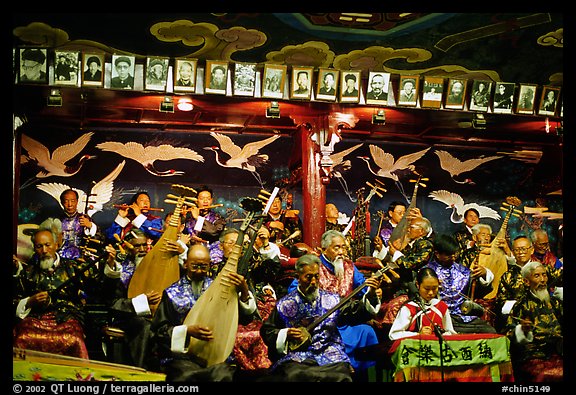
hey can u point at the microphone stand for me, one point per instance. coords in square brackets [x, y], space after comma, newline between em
[437, 332]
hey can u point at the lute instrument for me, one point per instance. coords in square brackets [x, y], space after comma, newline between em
[400, 232]
[160, 268]
[305, 343]
[217, 307]
[496, 260]
[360, 244]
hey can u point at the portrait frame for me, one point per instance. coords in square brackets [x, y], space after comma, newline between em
[543, 107]
[244, 79]
[156, 83]
[499, 101]
[95, 79]
[415, 79]
[432, 92]
[527, 91]
[42, 68]
[72, 59]
[322, 73]
[382, 99]
[475, 88]
[178, 85]
[212, 65]
[114, 72]
[294, 87]
[456, 103]
[354, 95]
[273, 81]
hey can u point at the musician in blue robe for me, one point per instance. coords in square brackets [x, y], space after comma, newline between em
[303, 351]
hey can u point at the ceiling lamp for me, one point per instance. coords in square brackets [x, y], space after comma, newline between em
[185, 104]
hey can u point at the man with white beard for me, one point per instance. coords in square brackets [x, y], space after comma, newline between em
[534, 327]
[49, 319]
[305, 353]
[132, 315]
[338, 274]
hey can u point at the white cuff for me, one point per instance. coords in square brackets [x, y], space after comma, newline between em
[178, 340]
[140, 304]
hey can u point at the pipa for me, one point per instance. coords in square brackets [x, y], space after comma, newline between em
[217, 307]
[159, 268]
[496, 260]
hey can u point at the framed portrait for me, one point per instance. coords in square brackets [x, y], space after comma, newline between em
[66, 65]
[526, 98]
[432, 90]
[92, 69]
[216, 77]
[301, 84]
[408, 90]
[123, 67]
[350, 86]
[185, 74]
[273, 80]
[33, 66]
[156, 74]
[377, 92]
[456, 93]
[503, 97]
[244, 79]
[549, 100]
[327, 84]
[480, 96]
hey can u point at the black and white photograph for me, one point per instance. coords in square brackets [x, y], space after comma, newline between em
[123, 67]
[526, 99]
[33, 66]
[377, 92]
[549, 100]
[185, 74]
[244, 79]
[216, 77]
[92, 69]
[156, 73]
[273, 80]
[432, 89]
[66, 65]
[350, 82]
[456, 94]
[301, 86]
[503, 97]
[327, 84]
[408, 92]
[480, 96]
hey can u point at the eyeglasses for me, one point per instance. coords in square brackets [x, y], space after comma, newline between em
[541, 245]
[521, 249]
[199, 266]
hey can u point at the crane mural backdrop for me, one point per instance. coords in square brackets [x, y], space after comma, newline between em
[241, 164]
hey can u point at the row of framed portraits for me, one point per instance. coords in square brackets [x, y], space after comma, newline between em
[346, 86]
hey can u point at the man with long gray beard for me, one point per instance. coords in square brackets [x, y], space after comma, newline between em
[338, 274]
[305, 352]
[534, 327]
[49, 319]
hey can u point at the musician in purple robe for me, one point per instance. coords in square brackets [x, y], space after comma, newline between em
[172, 335]
[305, 352]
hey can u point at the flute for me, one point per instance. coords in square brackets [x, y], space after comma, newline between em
[125, 206]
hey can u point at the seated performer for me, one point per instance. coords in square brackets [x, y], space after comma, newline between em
[49, 312]
[411, 320]
[172, 335]
[132, 315]
[534, 327]
[319, 355]
[136, 215]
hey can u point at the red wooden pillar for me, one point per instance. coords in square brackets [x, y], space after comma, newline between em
[313, 191]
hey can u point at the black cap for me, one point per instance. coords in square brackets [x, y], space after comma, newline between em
[35, 55]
